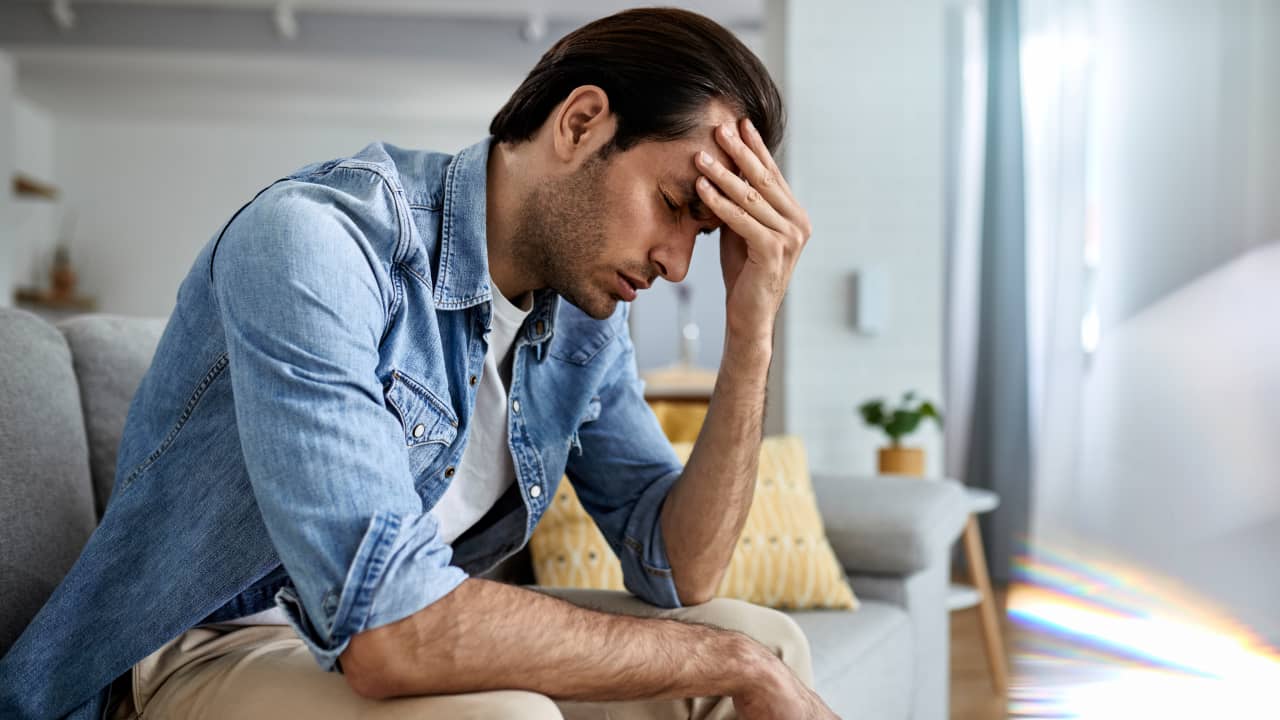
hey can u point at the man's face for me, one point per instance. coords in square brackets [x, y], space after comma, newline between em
[612, 226]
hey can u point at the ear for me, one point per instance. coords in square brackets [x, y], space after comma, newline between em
[582, 124]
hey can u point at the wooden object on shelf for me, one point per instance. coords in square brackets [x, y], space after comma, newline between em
[680, 396]
[47, 300]
[27, 186]
[679, 382]
[901, 461]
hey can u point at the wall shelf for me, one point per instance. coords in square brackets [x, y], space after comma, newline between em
[45, 300]
[27, 186]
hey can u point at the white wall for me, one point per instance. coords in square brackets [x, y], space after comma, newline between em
[1187, 149]
[1175, 463]
[156, 150]
[864, 83]
[1187, 138]
[37, 221]
[1263, 28]
[7, 159]
[150, 194]
[1181, 412]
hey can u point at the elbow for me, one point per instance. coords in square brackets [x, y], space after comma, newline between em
[688, 599]
[364, 666]
[695, 587]
[691, 593]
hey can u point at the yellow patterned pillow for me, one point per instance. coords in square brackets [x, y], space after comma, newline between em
[782, 560]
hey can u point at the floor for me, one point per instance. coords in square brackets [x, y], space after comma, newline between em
[971, 695]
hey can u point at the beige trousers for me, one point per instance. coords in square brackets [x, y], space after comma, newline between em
[251, 672]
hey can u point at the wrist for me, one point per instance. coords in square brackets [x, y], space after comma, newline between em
[750, 349]
[756, 333]
[752, 668]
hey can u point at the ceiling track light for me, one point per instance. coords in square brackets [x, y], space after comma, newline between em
[534, 28]
[63, 15]
[286, 21]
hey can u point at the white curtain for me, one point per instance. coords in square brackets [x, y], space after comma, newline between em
[1020, 255]
[966, 105]
[1062, 246]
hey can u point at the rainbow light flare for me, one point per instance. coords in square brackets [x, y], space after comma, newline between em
[1111, 641]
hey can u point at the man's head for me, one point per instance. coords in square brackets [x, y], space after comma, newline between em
[609, 121]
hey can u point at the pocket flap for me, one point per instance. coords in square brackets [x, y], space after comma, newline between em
[425, 418]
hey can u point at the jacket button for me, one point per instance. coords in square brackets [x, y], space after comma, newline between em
[540, 327]
[419, 430]
[473, 380]
[535, 491]
[449, 471]
[515, 406]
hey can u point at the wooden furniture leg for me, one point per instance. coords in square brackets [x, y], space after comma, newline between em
[991, 635]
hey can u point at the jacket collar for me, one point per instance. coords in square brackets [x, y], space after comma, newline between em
[462, 280]
[463, 276]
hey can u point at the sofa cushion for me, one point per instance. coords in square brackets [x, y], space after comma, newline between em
[891, 525]
[110, 355]
[862, 661]
[46, 498]
[781, 560]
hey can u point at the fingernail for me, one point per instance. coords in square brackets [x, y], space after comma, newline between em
[705, 159]
[751, 126]
[728, 131]
[703, 183]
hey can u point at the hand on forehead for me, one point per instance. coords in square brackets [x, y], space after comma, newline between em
[705, 137]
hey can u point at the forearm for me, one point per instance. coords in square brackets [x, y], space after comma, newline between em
[489, 636]
[703, 515]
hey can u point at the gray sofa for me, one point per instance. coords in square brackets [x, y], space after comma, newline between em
[65, 390]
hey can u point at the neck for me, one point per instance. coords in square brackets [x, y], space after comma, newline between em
[505, 175]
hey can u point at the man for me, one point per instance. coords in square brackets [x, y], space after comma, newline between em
[369, 389]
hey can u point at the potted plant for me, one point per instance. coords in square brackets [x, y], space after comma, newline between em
[897, 423]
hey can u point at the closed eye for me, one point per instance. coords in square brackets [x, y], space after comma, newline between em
[696, 208]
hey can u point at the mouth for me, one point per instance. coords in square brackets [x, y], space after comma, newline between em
[629, 287]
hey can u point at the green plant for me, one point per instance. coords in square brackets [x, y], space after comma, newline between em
[901, 421]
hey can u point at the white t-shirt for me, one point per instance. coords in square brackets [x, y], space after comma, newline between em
[486, 469]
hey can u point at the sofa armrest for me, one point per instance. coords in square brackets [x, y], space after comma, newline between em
[890, 525]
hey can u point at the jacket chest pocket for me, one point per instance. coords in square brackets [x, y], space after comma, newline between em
[426, 419]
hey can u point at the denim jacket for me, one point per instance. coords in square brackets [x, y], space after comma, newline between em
[305, 408]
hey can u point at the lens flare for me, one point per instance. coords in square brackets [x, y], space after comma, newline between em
[1107, 640]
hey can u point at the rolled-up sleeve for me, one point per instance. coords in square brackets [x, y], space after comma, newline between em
[622, 476]
[304, 301]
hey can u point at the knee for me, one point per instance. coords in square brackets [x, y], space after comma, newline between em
[535, 706]
[507, 704]
[487, 705]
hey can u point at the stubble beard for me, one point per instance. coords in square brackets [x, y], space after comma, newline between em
[560, 237]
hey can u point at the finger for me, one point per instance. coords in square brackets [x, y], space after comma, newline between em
[796, 213]
[753, 169]
[751, 136]
[737, 190]
[754, 234]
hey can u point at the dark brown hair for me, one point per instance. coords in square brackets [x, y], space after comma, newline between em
[659, 66]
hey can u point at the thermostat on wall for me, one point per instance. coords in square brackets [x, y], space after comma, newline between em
[869, 300]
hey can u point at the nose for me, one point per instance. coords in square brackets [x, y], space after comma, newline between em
[672, 257]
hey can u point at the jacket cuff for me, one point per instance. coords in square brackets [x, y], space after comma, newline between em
[400, 568]
[646, 571]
